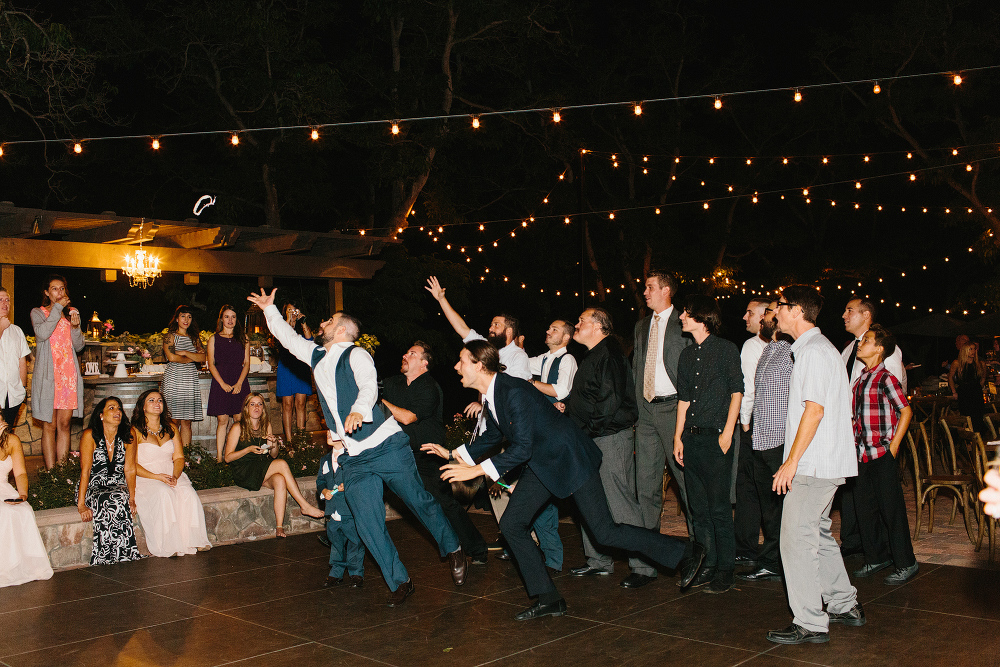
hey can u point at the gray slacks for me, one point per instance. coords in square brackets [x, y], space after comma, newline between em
[810, 556]
[654, 445]
[618, 480]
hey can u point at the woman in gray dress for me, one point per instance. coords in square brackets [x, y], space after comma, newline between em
[184, 353]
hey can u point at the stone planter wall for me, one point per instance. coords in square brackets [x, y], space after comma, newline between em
[232, 515]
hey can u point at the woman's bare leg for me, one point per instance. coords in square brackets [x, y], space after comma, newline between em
[221, 430]
[61, 419]
[184, 429]
[280, 467]
[300, 411]
[277, 482]
[286, 417]
[49, 443]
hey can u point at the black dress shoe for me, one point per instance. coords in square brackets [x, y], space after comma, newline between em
[746, 561]
[760, 574]
[854, 616]
[689, 566]
[398, 596]
[355, 581]
[459, 565]
[503, 555]
[332, 581]
[324, 540]
[537, 610]
[587, 571]
[704, 577]
[636, 580]
[796, 634]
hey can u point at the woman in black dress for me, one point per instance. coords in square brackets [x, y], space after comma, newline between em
[252, 455]
[967, 380]
[107, 483]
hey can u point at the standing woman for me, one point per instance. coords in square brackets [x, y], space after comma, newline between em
[252, 455]
[107, 483]
[182, 349]
[294, 381]
[56, 381]
[967, 380]
[229, 363]
[171, 512]
[22, 552]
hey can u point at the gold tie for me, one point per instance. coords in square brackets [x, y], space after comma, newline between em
[649, 372]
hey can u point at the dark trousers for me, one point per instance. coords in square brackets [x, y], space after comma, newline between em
[10, 413]
[707, 473]
[881, 511]
[746, 519]
[430, 474]
[850, 534]
[765, 464]
[530, 496]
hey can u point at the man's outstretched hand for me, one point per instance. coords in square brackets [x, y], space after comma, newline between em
[434, 287]
[262, 300]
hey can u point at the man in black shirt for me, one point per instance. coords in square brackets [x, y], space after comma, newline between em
[709, 392]
[417, 403]
[602, 403]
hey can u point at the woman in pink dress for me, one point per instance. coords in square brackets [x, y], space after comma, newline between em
[56, 381]
[171, 513]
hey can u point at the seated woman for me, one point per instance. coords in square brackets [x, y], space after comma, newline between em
[169, 508]
[252, 454]
[22, 553]
[107, 483]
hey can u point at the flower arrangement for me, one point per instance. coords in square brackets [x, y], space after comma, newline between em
[57, 487]
[369, 342]
[109, 326]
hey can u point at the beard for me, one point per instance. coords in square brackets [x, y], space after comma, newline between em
[318, 338]
[499, 342]
[767, 329]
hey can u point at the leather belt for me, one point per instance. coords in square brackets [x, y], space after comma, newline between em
[672, 398]
[697, 430]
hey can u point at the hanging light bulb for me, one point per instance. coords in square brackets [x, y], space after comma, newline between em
[805, 192]
[957, 79]
[826, 161]
[1, 151]
[711, 160]
[566, 220]
[77, 147]
[857, 184]
[611, 216]
[913, 177]
[798, 95]
[314, 134]
[156, 144]
[395, 127]
[968, 167]
[705, 206]
[637, 108]
[556, 116]
[876, 88]
[783, 161]
[475, 122]
[718, 102]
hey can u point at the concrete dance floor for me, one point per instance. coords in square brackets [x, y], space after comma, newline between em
[263, 603]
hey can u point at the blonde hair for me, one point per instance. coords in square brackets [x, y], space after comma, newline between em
[969, 354]
[246, 429]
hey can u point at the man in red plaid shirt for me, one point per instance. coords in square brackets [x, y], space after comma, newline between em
[881, 417]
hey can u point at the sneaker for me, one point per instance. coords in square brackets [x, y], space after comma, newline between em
[901, 575]
[854, 616]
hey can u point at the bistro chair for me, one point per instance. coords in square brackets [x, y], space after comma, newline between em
[928, 484]
[978, 451]
[949, 453]
[992, 420]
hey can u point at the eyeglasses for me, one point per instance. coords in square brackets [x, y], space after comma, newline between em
[785, 303]
[769, 310]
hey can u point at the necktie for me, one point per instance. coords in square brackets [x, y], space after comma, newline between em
[852, 359]
[481, 426]
[541, 373]
[652, 352]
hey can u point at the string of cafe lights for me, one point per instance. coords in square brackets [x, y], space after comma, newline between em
[956, 77]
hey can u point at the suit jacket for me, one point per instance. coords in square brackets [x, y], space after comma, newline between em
[561, 455]
[673, 342]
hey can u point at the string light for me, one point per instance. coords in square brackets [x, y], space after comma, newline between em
[156, 144]
[1, 151]
[475, 122]
[637, 109]
[314, 134]
[395, 127]
[857, 184]
[954, 151]
[968, 167]
[718, 102]
[798, 95]
[77, 147]
[234, 139]
[866, 158]
[556, 116]
[957, 79]
[876, 88]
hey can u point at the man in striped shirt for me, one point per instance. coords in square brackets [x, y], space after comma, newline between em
[881, 416]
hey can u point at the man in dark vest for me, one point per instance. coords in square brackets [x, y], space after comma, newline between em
[379, 450]
[552, 373]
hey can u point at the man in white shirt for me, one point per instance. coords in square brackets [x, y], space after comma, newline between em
[13, 363]
[378, 449]
[746, 517]
[553, 372]
[859, 315]
[819, 455]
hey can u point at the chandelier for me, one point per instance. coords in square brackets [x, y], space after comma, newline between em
[141, 267]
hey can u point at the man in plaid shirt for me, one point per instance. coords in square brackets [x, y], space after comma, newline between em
[881, 417]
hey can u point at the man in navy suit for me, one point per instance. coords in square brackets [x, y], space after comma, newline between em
[559, 460]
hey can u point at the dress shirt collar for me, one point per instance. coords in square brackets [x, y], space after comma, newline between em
[558, 353]
[806, 337]
[488, 397]
[664, 314]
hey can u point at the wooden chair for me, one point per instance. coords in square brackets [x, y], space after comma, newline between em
[950, 454]
[928, 484]
[988, 526]
[992, 420]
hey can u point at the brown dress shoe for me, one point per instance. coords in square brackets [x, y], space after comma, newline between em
[398, 596]
[459, 566]
[332, 581]
[355, 581]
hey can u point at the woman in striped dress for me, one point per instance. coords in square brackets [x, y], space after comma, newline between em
[184, 353]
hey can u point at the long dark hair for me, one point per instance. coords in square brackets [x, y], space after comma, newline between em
[96, 425]
[238, 332]
[194, 333]
[139, 415]
[46, 301]
[298, 325]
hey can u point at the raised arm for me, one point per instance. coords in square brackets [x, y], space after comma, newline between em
[454, 319]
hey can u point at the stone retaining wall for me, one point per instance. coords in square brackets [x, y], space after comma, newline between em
[232, 515]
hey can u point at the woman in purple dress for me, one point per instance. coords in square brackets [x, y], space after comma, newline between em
[229, 363]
